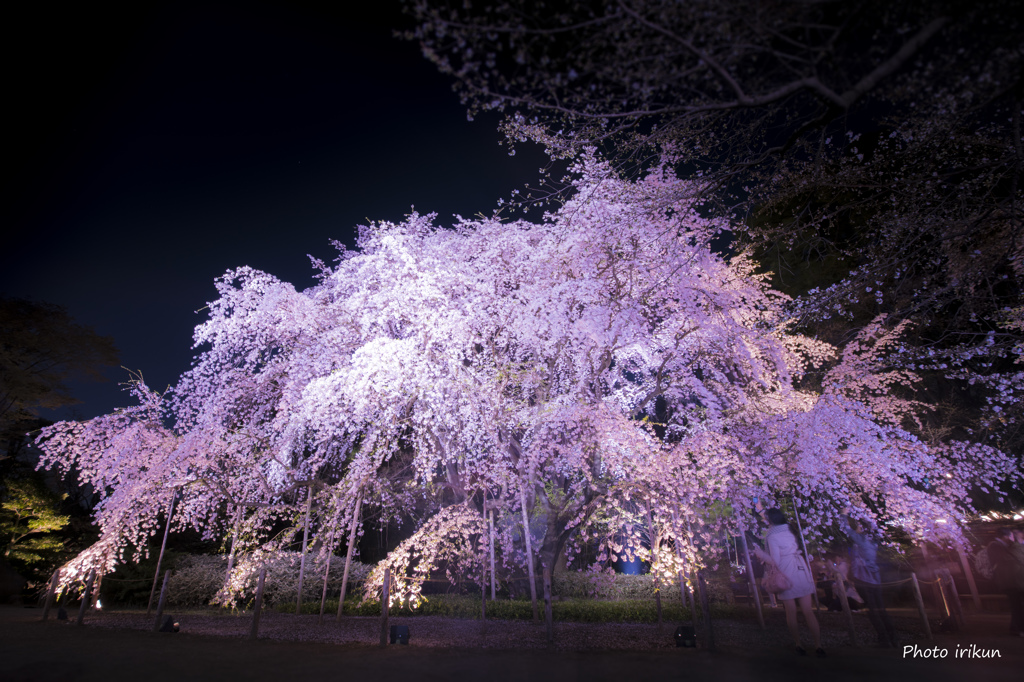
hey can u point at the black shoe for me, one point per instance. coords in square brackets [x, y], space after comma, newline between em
[819, 652]
[800, 651]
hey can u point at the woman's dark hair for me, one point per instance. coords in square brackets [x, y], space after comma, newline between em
[776, 517]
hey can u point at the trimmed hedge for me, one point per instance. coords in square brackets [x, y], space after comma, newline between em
[570, 610]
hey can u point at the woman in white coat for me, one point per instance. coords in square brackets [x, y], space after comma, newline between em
[784, 550]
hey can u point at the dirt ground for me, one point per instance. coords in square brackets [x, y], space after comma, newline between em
[109, 648]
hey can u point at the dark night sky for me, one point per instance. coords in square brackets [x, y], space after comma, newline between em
[154, 148]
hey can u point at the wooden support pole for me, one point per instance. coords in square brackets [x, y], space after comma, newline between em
[841, 589]
[96, 592]
[483, 599]
[705, 607]
[85, 597]
[937, 596]
[385, 605]
[549, 618]
[920, 605]
[807, 556]
[348, 554]
[254, 629]
[754, 593]
[51, 590]
[327, 570]
[654, 541]
[969, 574]
[529, 554]
[234, 542]
[954, 598]
[160, 559]
[162, 603]
[305, 542]
[490, 533]
[693, 600]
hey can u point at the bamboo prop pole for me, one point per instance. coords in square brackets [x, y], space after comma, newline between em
[234, 541]
[969, 574]
[305, 543]
[529, 554]
[160, 559]
[807, 556]
[657, 579]
[85, 597]
[162, 603]
[920, 605]
[385, 606]
[705, 607]
[754, 592]
[483, 599]
[490, 532]
[348, 554]
[693, 599]
[841, 589]
[692, 571]
[679, 555]
[937, 596]
[51, 590]
[483, 567]
[549, 617]
[257, 608]
[954, 598]
[327, 570]
[96, 592]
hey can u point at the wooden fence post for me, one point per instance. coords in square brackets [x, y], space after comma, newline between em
[841, 589]
[254, 629]
[85, 597]
[51, 589]
[163, 602]
[385, 605]
[920, 605]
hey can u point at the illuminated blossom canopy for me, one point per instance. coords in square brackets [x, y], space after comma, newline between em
[598, 367]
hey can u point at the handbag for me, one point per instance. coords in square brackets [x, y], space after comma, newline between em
[774, 580]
